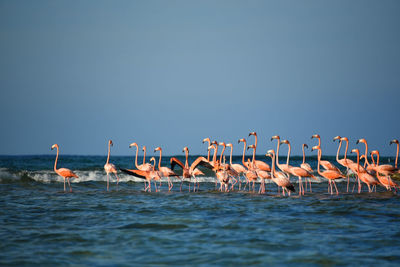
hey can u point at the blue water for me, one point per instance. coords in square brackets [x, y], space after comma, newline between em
[40, 224]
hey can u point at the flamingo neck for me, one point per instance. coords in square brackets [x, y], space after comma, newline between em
[319, 141]
[159, 160]
[137, 151]
[304, 156]
[230, 157]
[144, 155]
[273, 165]
[319, 161]
[397, 156]
[254, 156]
[244, 151]
[345, 153]
[338, 150]
[186, 161]
[55, 163]
[288, 155]
[255, 143]
[222, 152]
[366, 154]
[215, 154]
[277, 153]
[108, 156]
[377, 159]
[373, 161]
[208, 154]
[358, 162]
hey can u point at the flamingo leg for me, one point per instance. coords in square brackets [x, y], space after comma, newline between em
[300, 186]
[64, 184]
[337, 192]
[107, 182]
[117, 179]
[70, 188]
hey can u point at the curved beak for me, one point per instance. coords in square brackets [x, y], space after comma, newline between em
[305, 145]
[358, 141]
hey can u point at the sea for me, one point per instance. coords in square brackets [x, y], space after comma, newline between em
[44, 226]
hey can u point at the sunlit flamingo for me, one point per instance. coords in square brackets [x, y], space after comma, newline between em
[362, 140]
[189, 172]
[279, 178]
[364, 176]
[251, 173]
[165, 171]
[245, 164]
[209, 143]
[386, 170]
[259, 163]
[283, 167]
[395, 141]
[306, 166]
[324, 163]
[147, 175]
[144, 166]
[63, 172]
[297, 171]
[260, 173]
[238, 168]
[109, 167]
[231, 172]
[344, 162]
[331, 175]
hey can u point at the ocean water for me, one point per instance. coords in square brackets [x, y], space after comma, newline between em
[40, 224]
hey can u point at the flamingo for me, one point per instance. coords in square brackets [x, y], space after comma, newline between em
[363, 175]
[395, 141]
[306, 166]
[324, 163]
[109, 167]
[165, 171]
[362, 140]
[189, 172]
[344, 162]
[279, 178]
[331, 175]
[260, 173]
[63, 172]
[231, 172]
[238, 168]
[245, 164]
[283, 167]
[386, 170]
[209, 143]
[144, 166]
[259, 163]
[148, 175]
[297, 171]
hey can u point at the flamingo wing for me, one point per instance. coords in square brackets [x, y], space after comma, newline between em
[297, 171]
[263, 166]
[307, 167]
[200, 161]
[175, 161]
[137, 173]
[64, 172]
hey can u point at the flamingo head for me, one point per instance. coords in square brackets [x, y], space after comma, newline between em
[315, 148]
[153, 159]
[251, 146]
[344, 139]
[275, 137]
[214, 142]
[133, 144]
[315, 136]
[241, 140]
[54, 146]
[394, 141]
[157, 149]
[222, 144]
[374, 152]
[305, 145]
[269, 155]
[206, 140]
[253, 133]
[185, 149]
[355, 150]
[362, 140]
[285, 142]
[211, 147]
[144, 148]
[337, 138]
[110, 142]
[229, 145]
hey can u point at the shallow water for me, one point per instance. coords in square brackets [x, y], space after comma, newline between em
[43, 225]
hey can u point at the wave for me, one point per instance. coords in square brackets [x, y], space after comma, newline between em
[49, 176]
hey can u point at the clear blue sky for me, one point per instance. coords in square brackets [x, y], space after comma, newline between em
[171, 73]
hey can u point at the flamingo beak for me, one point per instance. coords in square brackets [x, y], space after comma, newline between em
[305, 145]
[358, 141]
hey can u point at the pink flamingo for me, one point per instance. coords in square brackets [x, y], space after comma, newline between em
[238, 168]
[148, 175]
[279, 178]
[386, 170]
[144, 166]
[363, 175]
[344, 162]
[395, 141]
[283, 167]
[109, 167]
[306, 166]
[230, 171]
[63, 172]
[362, 140]
[245, 164]
[259, 163]
[209, 143]
[331, 175]
[324, 163]
[165, 171]
[260, 173]
[297, 171]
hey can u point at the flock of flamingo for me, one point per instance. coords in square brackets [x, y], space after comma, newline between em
[229, 174]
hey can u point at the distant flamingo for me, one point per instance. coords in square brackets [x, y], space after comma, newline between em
[283, 167]
[331, 175]
[144, 166]
[386, 170]
[364, 176]
[297, 171]
[209, 143]
[165, 171]
[148, 175]
[245, 164]
[362, 140]
[63, 172]
[260, 173]
[306, 166]
[324, 163]
[344, 162]
[238, 168]
[395, 141]
[259, 163]
[279, 178]
[109, 167]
